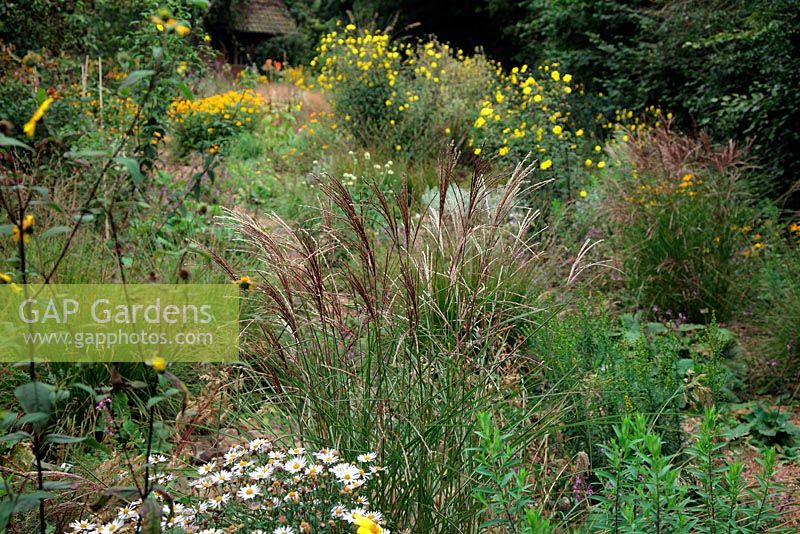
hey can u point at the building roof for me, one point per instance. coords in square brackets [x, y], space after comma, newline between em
[264, 16]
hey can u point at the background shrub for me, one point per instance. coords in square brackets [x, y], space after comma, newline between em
[677, 211]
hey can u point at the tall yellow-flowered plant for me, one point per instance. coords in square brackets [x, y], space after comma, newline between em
[409, 97]
[204, 123]
[30, 126]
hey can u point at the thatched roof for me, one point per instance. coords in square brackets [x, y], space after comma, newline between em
[263, 16]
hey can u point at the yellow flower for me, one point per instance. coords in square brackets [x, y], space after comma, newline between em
[25, 231]
[477, 151]
[159, 364]
[479, 122]
[567, 78]
[398, 147]
[207, 38]
[5, 279]
[246, 283]
[588, 162]
[546, 164]
[583, 194]
[503, 151]
[366, 525]
[557, 129]
[597, 148]
[30, 126]
[182, 30]
[579, 133]
[447, 131]
[601, 164]
[555, 75]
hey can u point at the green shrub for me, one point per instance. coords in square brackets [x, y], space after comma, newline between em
[403, 97]
[777, 314]
[644, 489]
[677, 212]
[609, 370]
[729, 67]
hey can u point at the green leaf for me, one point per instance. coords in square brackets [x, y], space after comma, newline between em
[10, 141]
[6, 507]
[58, 485]
[185, 91]
[135, 77]
[87, 154]
[88, 389]
[200, 3]
[126, 493]
[133, 168]
[83, 217]
[7, 419]
[152, 401]
[94, 444]
[15, 437]
[56, 230]
[151, 517]
[35, 397]
[35, 417]
[29, 501]
[741, 430]
[60, 438]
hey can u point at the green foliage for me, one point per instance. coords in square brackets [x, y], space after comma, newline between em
[608, 371]
[679, 224]
[777, 313]
[767, 427]
[503, 490]
[703, 60]
[644, 489]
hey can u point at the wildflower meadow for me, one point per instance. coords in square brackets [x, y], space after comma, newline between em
[286, 267]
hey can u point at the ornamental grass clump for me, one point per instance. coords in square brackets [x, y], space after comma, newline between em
[374, 326]
[678, 215]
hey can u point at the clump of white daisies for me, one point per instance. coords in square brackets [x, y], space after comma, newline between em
[258, 489]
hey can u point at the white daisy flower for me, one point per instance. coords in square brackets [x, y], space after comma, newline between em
[262, 472]
[276, 455]
[156, 459]
[295, 465]
[367, 457]
[346, 473]
[249, 492]
[205, 469]
[315, 470]
[374, 516]
[82, 525]
[222, 477]
[348, 515]
[258, 445]
[338, 511]
[112, 527]
[218, 500]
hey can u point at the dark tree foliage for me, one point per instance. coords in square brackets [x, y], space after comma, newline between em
[730, 67]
